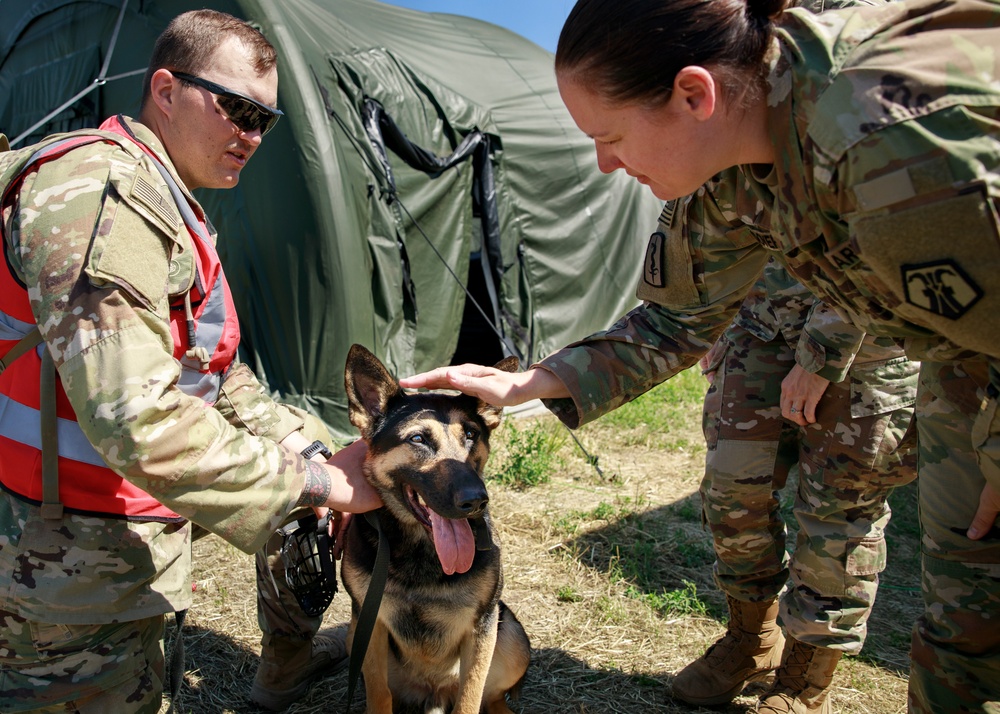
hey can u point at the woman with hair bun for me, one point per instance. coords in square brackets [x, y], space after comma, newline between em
[859, 148]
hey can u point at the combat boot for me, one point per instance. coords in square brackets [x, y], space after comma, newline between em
[750, 650]
[802, 682]
[288, 666]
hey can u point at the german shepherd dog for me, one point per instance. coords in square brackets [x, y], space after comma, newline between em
[443, 640]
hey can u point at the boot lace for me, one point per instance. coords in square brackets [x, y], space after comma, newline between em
[791, 676]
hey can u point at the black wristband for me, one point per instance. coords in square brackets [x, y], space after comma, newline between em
[317, 447]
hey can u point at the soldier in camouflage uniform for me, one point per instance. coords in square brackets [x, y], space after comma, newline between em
[848, 420]
[108, 253]
[861, 149]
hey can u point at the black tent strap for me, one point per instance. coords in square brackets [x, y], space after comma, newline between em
[384, 133]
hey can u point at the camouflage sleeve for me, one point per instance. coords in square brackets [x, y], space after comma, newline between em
[243, 403]
[111, 342]
[829, 343]
[699, 266]
[758, 314]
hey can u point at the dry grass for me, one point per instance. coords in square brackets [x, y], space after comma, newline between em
[610, 575]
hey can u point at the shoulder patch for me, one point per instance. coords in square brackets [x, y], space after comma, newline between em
[942, 288]
[145, 194]
[668, 272]
[652, 267]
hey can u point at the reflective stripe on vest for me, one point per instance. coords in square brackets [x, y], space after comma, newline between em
[216, 312]
[86, 483]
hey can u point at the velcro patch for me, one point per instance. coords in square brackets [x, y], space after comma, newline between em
[885, 190]
[904, 184]
[134, 257]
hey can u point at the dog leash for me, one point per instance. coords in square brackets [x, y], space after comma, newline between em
[176, 675]
[369, 609]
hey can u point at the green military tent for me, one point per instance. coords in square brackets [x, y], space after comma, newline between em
[424, 158]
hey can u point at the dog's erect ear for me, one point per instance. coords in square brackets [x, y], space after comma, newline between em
[491, 414]
[369, 388]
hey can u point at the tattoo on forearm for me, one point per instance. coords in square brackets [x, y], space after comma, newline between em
[316, 490]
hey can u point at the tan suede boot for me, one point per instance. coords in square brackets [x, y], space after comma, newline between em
[289, 666]
[802, 682]
[750, 650]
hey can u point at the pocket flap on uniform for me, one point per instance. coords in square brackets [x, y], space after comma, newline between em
[883, 386]
[865, 556]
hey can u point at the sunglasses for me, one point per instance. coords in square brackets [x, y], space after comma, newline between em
[247, 114]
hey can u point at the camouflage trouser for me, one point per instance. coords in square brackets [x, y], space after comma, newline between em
[955, 653]
[91, 669]
[119, 667]
[847, 467]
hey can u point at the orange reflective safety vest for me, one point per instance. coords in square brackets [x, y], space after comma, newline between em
[206, 335]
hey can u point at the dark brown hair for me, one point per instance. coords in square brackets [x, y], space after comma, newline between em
[629, 51]
[189, 41]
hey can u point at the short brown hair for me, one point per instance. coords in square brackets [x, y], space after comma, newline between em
[189, 41]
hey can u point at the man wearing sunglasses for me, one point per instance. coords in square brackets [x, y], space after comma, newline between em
[246, 113]
[112, 261]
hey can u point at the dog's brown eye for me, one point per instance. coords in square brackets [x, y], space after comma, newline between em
[471, 434]
[417, 439]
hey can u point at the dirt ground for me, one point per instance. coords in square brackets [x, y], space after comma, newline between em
[610, 575]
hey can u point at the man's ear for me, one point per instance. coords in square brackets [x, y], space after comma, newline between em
[162, 86]
[695, 87]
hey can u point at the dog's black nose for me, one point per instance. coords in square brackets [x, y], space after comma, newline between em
[471, 501]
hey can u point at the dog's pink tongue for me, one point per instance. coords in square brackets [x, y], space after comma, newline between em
[454, 543]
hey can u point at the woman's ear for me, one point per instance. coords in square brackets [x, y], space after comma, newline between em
[695, 88]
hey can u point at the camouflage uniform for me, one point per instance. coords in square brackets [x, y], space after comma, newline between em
[79, 593]
[883, 202]
[848, 460]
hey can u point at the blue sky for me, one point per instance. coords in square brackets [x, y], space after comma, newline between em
[538, 20]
